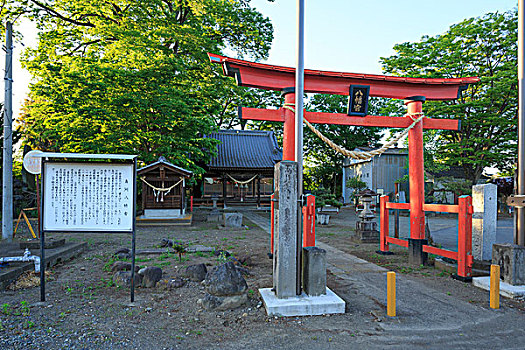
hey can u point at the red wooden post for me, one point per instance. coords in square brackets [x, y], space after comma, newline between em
[383, 230]
[272, 223]
[309, 222]
[191, 204]
[464, 238]
[415, 170]
[289, 128]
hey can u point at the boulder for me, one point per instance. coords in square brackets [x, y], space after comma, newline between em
[122, 266]
[150, 276]
[225, 280]
[123, 279]
[123, 253]
[211, 302]
[166, 243]
[196, 273]
[245, 260]
[171, 283]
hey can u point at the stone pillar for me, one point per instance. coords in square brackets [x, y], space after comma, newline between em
[511, 259]
[285, 236]
[484, 220]
[314, 271]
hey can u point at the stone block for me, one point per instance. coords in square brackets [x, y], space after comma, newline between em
[214, 217]
[285, 235]
[511, 259]
[232, 219]
[484, 220]
[416, 255]
[314, 271]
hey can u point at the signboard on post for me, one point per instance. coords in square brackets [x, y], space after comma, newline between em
[88, 193]
[88, 197]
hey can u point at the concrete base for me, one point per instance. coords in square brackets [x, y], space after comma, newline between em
[302, 305]
[505, 289]
[163, 214]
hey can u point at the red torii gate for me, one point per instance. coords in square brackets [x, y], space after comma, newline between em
[413, 90]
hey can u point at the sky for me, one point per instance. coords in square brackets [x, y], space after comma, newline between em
[340, 35]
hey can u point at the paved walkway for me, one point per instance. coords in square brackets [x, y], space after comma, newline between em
[426, 317]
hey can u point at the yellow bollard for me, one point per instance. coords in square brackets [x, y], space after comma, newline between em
[494, 286]
[391, 294]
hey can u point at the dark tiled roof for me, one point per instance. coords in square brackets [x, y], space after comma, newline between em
[245, 149]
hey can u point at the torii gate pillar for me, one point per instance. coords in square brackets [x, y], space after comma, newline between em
[289, 125]
[416, 178]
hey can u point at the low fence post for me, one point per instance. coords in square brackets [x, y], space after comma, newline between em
[494, 286]
[383, 229]
[391, 294]
[465, 259]
[309, 222]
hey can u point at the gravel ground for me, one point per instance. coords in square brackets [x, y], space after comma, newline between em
[85, 310]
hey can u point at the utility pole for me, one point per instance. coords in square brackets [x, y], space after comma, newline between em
[7, 173]
[299, 93]
[519, 237]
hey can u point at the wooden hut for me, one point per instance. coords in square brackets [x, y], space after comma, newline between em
[163, 189]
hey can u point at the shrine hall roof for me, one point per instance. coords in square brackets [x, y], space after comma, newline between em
[245, 150]
[163, 162]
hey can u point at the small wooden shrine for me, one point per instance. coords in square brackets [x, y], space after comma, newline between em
[163, 190]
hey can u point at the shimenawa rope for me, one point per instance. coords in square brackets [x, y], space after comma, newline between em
[241, 182]
[158, 192]
[363, 155]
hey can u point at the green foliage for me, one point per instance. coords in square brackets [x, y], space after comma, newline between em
[458, 187]
[323, 167]
[483, 47]
[133, 77]
[323, 197]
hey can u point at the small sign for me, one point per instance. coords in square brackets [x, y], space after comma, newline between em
[32, 164]
[358, 100]
[88, 197]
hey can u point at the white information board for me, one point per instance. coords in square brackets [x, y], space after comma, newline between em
[88, 197]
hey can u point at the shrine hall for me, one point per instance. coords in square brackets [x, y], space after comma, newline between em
[241, 172]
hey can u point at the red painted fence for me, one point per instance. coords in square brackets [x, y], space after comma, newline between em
[464, 209]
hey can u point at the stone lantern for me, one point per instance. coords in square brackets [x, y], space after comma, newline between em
[366, 228]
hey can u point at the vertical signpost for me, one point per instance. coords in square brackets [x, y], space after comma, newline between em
[7, 173]
[87, 193]
[299, 90]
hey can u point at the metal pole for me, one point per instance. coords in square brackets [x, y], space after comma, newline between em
[519, 237]
[7, 173]
[299, 92]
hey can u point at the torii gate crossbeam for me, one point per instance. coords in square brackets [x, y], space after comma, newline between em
[413, 90]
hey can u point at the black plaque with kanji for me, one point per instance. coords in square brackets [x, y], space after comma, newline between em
[358, 100]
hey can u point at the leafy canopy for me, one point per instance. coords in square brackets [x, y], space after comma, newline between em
[134, 76]
[483, 47]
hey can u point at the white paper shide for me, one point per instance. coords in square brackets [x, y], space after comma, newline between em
[88, 197]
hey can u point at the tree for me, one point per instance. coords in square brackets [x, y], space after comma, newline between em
[483, 47]
[133, 76]
[323, 166]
